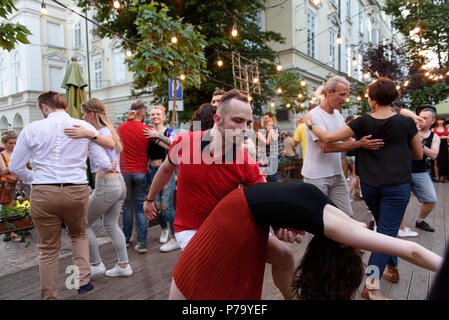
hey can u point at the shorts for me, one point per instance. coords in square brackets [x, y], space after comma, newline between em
[423, 188]
[350, 159]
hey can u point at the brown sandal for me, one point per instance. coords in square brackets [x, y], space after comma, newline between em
[365, 294]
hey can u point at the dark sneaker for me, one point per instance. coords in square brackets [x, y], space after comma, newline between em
[141, 247]
[85, 288]
[425, 226]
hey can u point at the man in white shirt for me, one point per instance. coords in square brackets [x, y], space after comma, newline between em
[322, 163]
[60, 192]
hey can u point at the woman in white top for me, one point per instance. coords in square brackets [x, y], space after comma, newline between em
[110, 189]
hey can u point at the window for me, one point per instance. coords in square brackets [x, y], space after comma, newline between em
[2, 74]
[348, 9]
[55, 34]
[78, 39]
[311, 32]
[94, 32]
[360, 19]
[98, 73]
[55, 75]
[119, 66]
[16, 73]
[333, 47]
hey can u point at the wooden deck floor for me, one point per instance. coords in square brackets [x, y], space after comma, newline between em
[152, 271]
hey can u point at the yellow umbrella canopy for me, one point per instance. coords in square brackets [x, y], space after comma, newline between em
[74, 84]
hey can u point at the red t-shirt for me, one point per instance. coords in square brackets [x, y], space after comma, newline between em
[134, 157]
[203, 182]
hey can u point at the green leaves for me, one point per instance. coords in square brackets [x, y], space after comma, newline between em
[11, 34]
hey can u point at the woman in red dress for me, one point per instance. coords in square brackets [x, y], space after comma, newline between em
[441, 162]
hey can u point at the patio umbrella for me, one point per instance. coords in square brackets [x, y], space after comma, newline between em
[74, 84]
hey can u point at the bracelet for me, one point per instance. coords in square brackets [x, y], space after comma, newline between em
[148, 200]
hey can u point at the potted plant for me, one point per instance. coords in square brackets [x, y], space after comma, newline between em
[15, 218]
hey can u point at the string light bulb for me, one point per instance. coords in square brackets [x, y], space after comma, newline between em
[302, 104]
[219, 61]
[348, 99]
[174, 39]
[288, 105]
[316, 2]
[303, 83]
[421, 52]
[129, 53]
[182, 77]
[398, 87]
[366, 75]
[250, 98]
[417, 28]
[427, 74]
[406, 83]
[255, 80]
[43, 8]
[300, 95]
[279, 67]
[339, 39]
[272, 104]
[279, 90]
[366, 95]
[116, 4]
[359, 98]
[234, 31]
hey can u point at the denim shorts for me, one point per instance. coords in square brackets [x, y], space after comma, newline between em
[423, 187]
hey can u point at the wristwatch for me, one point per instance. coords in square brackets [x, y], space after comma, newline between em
[94, 137]
[310, 126]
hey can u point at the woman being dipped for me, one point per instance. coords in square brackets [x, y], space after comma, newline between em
[385, 174]
[219, 263]
[110, 189]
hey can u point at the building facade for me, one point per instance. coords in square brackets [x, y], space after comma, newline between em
[56, 37]
[311, 29]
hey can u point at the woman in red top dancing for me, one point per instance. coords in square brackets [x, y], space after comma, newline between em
[440, 165]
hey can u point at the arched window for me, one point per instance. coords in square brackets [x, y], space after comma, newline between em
[16, 72]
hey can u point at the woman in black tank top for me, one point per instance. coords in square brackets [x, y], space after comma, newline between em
[331, 268]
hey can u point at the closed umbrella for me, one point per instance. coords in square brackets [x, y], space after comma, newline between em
[74, 84]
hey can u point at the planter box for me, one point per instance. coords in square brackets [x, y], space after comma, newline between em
[15, 223]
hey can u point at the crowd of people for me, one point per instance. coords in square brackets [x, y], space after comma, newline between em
[225, 172]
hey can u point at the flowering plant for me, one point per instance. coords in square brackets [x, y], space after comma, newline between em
[21, 208]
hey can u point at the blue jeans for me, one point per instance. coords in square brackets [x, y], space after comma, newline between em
[272, 176]
[135, 196]
[388, 206]
[164, 200]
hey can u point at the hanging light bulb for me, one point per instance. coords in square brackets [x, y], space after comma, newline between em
[300, 95]
[128, 52]
[234, 31]
[366, 95]
[427, 74]
[288, 105]
[348, 99]
[406, 83]
[43, 8]
[303, 83]
[440, 77]
[339, 39]
[279, 67]
[302, 104]
[316, 2]
[116, 4]
[398, 87]
[182, 77]
[174, 39]
[250, 98]
[272, 104]
[255, 80]
[359, 98]
[219, 61]
[279, 90]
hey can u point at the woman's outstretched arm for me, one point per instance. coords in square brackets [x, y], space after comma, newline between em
[341, 228]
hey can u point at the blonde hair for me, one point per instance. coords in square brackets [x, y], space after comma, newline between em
[96, 106]
[8, 135]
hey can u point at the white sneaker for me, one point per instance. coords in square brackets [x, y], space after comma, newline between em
[164, 235]
[407, 233]
[170, 246]
[97, 270]
[118, 271]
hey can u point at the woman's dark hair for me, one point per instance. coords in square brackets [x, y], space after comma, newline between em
[440, 117]
[328, 271]
[205, 114]
[383, 91]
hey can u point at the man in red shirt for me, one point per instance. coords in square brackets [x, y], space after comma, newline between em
[133, 164]
[210, 165]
